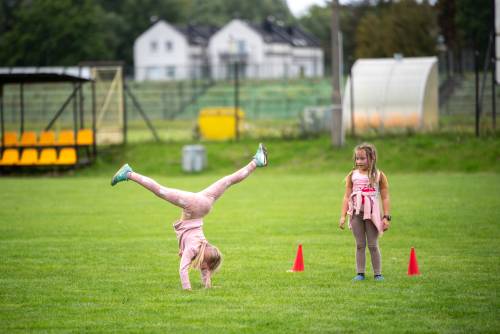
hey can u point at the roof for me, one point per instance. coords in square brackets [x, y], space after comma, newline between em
[275, 32]
[44, 74]
[272, 31]
[197, 34]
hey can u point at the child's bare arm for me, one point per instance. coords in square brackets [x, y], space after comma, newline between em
[186, 258]
[345, 201]
[206, 278]
[384, 194]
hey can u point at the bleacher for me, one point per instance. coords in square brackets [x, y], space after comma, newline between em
[47, 149]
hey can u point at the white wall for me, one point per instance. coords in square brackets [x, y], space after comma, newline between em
[307, 62]
[228, 40]
[277, 62]
[170, 59]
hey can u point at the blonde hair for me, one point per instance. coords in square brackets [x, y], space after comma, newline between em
[209, 254]
[371, 156]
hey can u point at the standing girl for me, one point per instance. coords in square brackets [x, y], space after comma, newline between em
[194, 249]
[361, 202]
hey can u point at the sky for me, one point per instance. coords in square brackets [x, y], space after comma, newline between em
[299, 7]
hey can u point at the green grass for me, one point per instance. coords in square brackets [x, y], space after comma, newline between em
[404, 153]
[80, 256]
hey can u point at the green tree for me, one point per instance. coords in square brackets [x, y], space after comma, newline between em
[219, 12]
[405, 27]
[318, 22]
[54, 33]
[369, 34]
[133, 17]
[446, 12]
[474, 20]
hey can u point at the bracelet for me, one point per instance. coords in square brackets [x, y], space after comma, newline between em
[388, 217]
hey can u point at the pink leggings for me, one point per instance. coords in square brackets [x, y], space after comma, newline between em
[194, 205]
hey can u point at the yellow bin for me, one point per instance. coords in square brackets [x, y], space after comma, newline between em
[219, 123]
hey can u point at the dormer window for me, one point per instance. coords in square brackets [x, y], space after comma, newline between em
[299, 42]
[153, 46]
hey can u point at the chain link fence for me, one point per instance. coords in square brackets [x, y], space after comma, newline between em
[273, 106]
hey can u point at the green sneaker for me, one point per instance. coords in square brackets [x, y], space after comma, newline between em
[121, 175]
[260, 157]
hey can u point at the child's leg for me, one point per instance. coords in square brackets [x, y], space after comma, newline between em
[217, 189]
[176, 197]
[372, 236]
[358, 230]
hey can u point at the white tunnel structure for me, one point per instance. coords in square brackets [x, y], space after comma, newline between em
[392, 93]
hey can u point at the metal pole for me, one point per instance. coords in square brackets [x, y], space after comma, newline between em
[351, 86]
[337, 135]
[493, 69]
[59, 112]
[485, 69]
[94, 145]
[2, 125]
[124, 102]
[75, 108]
[236, 99]
[75, 113]
[82, 118]
[22, 106]
[493, 97]
[476, 70]
[143, 114]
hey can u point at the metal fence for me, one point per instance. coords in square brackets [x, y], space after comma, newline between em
[273, 107]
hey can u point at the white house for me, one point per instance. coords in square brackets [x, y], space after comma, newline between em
[267, 50]
[167, 52]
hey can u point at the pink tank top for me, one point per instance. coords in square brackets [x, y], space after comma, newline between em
[364, 198]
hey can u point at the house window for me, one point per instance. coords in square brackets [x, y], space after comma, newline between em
[153, 73]
[242, 46]
[169, 46]
[170, 72]
[153, 46]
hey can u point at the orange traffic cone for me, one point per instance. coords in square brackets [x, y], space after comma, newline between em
[413, 265]
[299, 261]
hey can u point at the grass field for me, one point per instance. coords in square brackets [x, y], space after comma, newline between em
[80, 256]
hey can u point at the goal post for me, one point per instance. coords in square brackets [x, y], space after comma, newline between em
[110, 121]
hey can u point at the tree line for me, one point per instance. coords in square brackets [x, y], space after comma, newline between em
[66, 32]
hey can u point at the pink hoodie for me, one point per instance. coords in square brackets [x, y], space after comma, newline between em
[190, 237]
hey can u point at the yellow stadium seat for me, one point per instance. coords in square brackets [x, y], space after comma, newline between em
[28, 138]
[66, 138]
[10, 139]
[84, 137]
[28, 157]
[67, 156]
[48, 156]
[47, 138]
[10, 157]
